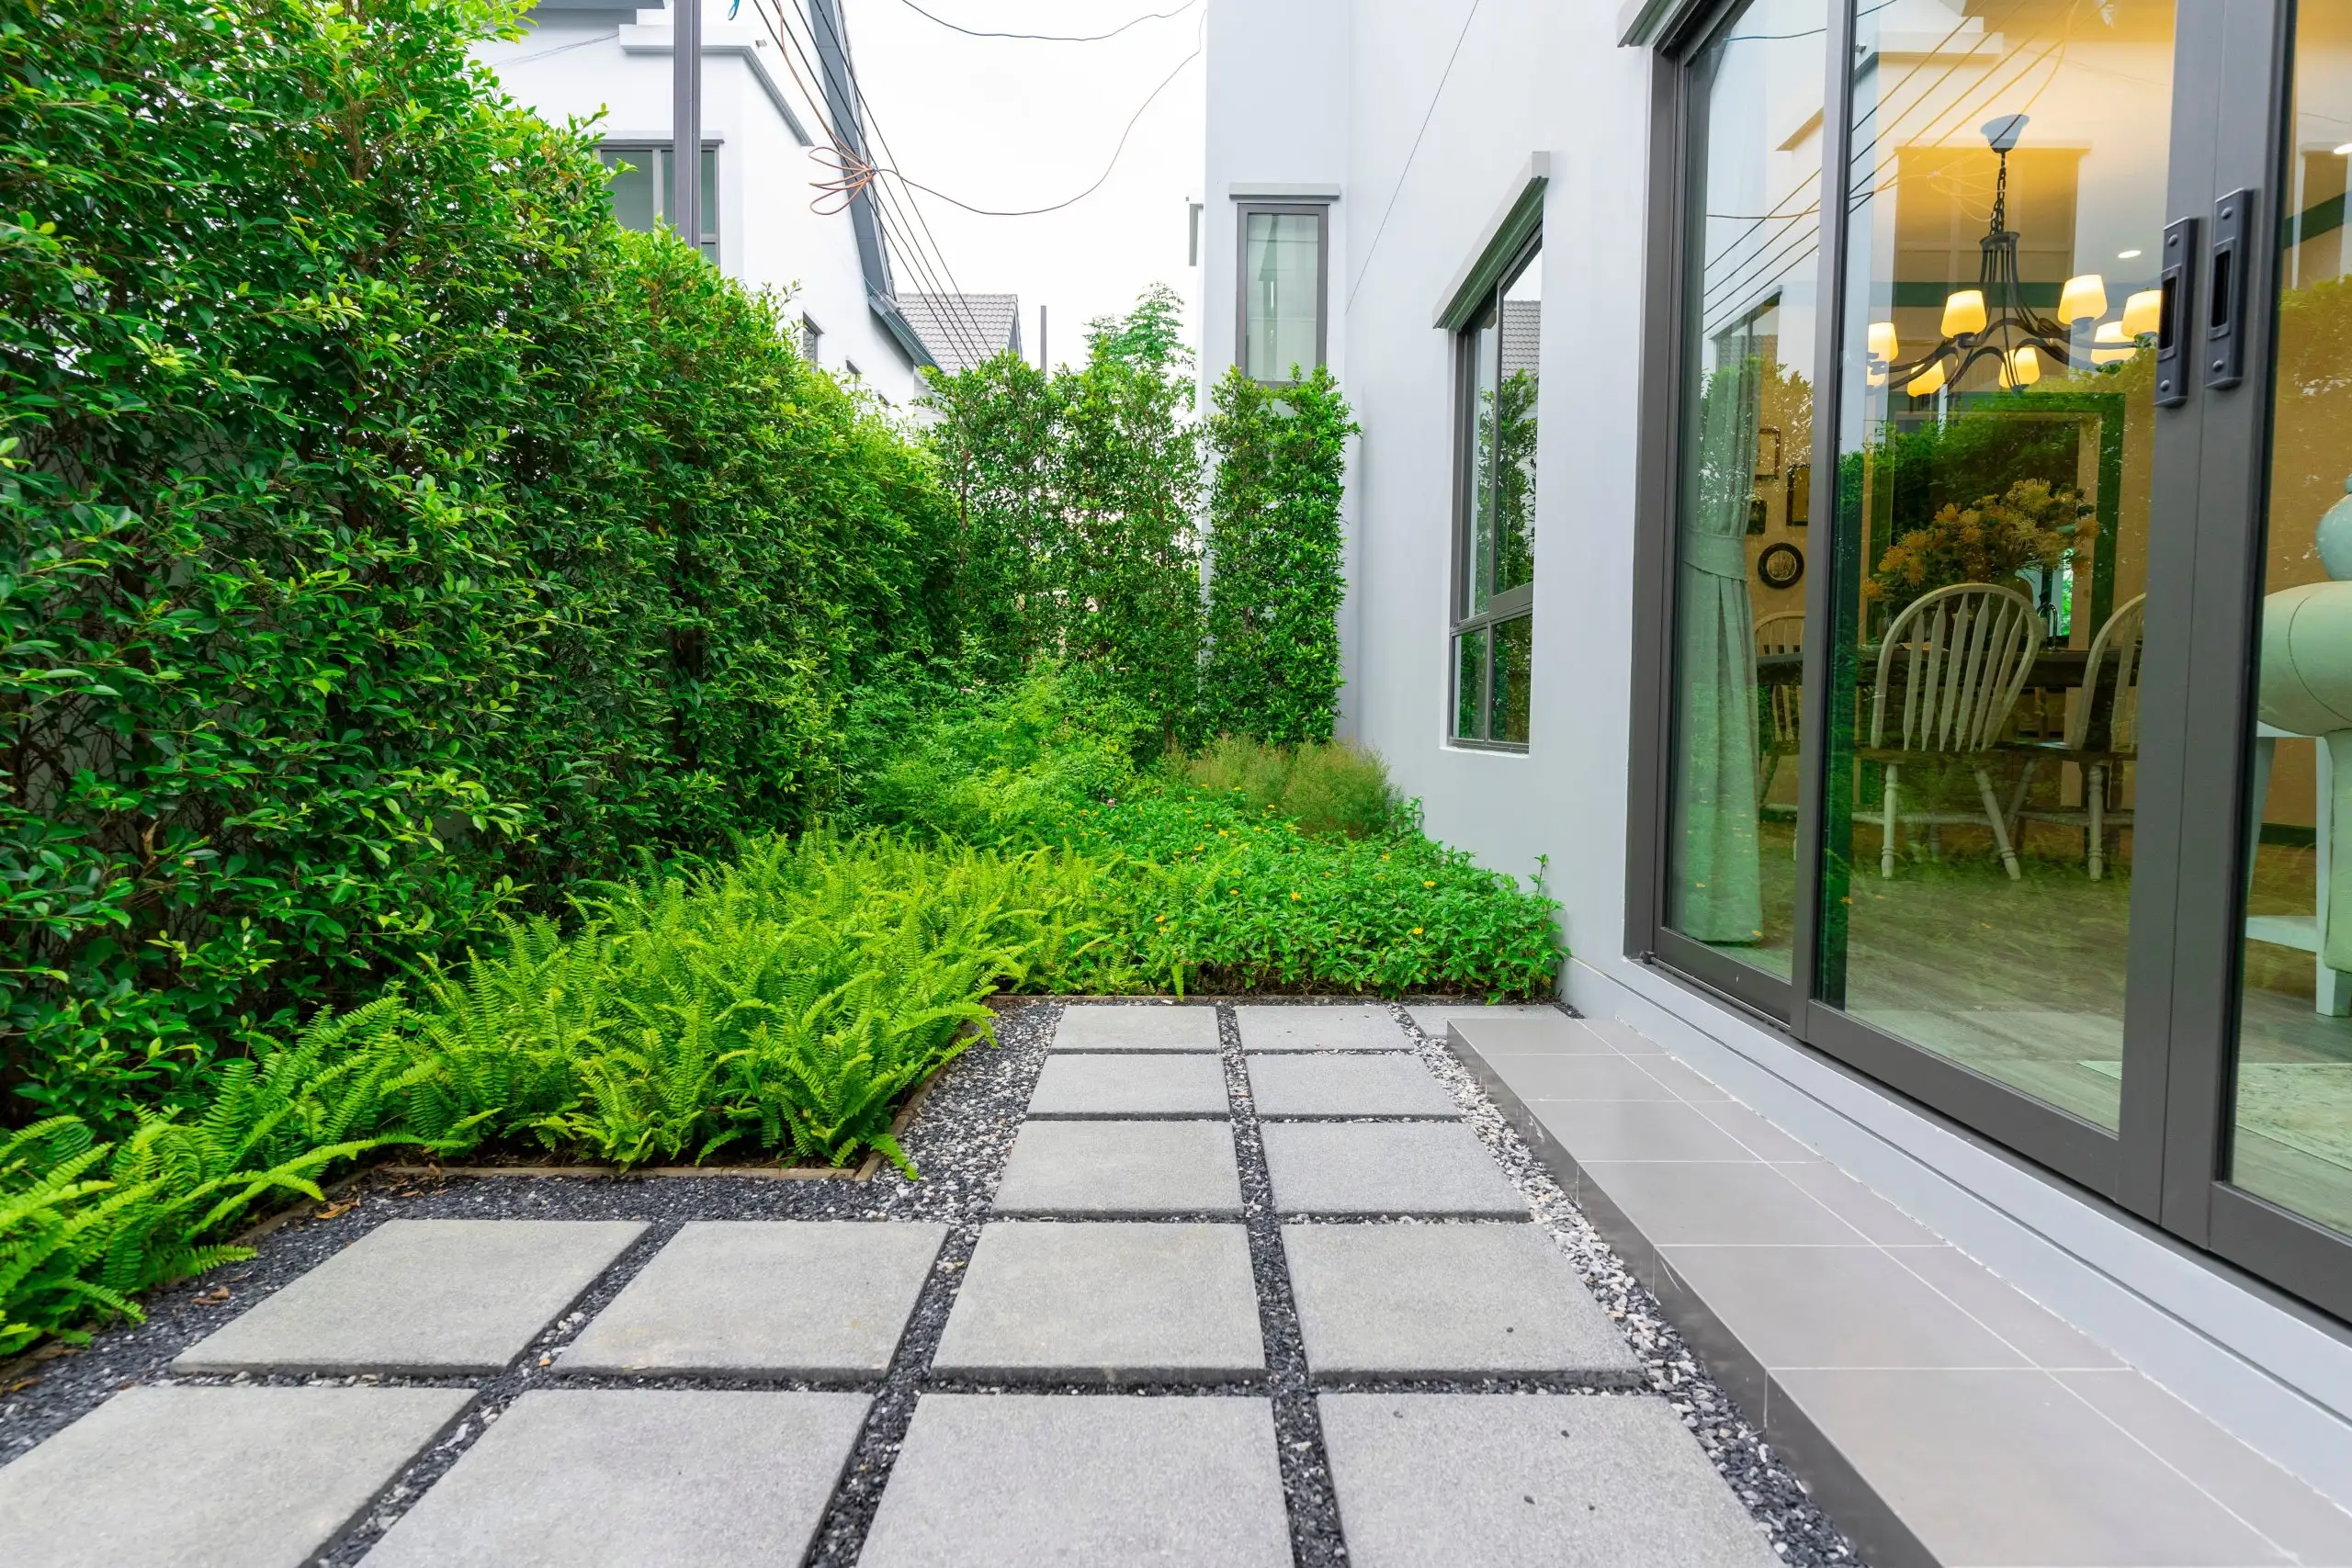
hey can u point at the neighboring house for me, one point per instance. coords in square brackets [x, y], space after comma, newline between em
[964, 329]
[587, 59]
[2015, 903]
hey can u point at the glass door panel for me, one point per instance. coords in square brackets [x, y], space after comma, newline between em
[2292, 1121]
[1743, 494]
[2007, 206]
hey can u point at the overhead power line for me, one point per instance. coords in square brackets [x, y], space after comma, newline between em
[1050, 38]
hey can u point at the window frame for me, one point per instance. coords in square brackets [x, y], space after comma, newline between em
[1513, 604]
[1243, 211]
[2167, 1163]
[708, 242]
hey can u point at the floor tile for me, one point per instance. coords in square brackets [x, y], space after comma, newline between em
[2278, 1504]
[2040, 1337]
[1716, 1203]
[1386, 1168]
[212, 1477]
[1432, 1020]
[1757, 1136]
[1145, 1027]
[1591, 1077]
[1833, 1306]
[1624, 1037]
[1131, 1083]
[794, 1298]
[1357, 1084]
[612, 1478]
[1444, 1301]
[1939, 1446]
[420, 1296]
[1013, 1481]
[1116, 1169]
[1426, 1479]
[1684, 1081]
[1636, 1130]
[1319, 1029]
[1869, 1213]
[1105, 1303]
[1546, 1032]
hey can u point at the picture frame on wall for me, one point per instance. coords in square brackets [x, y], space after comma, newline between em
[1767, 452]
[1800, 494]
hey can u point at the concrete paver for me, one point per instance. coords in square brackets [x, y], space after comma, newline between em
[615, 1478]
[212, 1477]
[1010, 1480]
[453, 1297]
[1099, 1027]
[794, 1298]
[1121, 1169]
[1446, 1301]
[1277, 1028]
[1367, 1083]
[1105, 1303]
[1130, 1084]
[1443, 1478]
[1386, 1168]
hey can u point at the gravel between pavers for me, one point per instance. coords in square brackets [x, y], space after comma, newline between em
[959, 1140]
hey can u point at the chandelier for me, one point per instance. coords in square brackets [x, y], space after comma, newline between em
[1993, 320]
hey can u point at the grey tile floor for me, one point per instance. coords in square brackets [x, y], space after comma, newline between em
[1102, 1390]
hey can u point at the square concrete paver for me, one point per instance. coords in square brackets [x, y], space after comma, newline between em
[1407, 1300]
[1097, 1027]
[1131, 1083]
[613, 1478]
[212, 1477]
[1381, 1083]
[420, 1296]
[1105, 1303]
[1121, 1169]
[792, 1298]
[1012, 1481]
[1386, 1168]
[1281, 1028]
[1613, 1479]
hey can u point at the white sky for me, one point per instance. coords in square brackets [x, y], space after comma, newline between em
[1008, 124]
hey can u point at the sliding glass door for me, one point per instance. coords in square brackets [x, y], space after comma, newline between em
[2010, 762]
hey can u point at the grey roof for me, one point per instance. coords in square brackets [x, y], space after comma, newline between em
[1523, 333]
[961, 330]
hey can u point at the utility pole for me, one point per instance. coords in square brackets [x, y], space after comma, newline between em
[1043, 363]
[686, 121]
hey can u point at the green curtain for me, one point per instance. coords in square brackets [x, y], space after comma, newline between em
[1718, 896]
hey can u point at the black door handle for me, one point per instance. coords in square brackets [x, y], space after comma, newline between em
[2178, 281]
[2226, 290]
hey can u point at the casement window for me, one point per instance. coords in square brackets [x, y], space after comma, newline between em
[1993, 476]
[812, 340]
[643, 181]
[1282, 325]
[1494, 558]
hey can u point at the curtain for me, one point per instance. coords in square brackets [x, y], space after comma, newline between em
[1716, 883]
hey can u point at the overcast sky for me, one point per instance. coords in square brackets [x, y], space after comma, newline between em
[1007, 123]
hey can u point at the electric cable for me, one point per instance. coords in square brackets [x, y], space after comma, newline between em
[1059, 37]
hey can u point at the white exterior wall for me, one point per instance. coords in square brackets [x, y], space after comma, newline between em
[618, 72]
[1536, 77]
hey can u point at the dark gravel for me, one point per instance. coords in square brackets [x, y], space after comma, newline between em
[958, 1140]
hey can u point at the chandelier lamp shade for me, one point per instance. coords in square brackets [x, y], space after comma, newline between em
[1992, 320]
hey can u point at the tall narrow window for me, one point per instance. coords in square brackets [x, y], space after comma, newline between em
[812, 340]
[1743, 495]
[1495, 557]
[643, 180]
[1283, 274]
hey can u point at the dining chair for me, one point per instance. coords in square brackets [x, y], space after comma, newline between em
[2099, 749]
[1960, 654]
[1780, 633]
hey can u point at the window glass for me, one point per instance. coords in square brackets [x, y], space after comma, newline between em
[1495, 553]
[1282, 298]
[1752, 245]
[2009, 179]
[641, 187]
[2291, 1138]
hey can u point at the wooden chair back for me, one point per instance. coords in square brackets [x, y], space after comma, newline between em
[1961, 655]
[2118, 642]
[1783, 633]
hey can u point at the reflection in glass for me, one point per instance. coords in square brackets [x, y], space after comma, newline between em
[2292, 1127]
[1281, 277]
[641, 187]
[1746, 431]
[1493, 624]
[1992, 496]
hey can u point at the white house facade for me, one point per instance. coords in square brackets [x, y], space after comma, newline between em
[1855, 490]
[778, 83]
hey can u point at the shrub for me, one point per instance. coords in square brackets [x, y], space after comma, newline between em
[1325, 786]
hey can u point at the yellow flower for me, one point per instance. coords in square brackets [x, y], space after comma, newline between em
[1417, 930]
[1158, 918]
[1294, 895]
[1429, 885]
